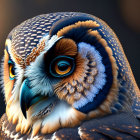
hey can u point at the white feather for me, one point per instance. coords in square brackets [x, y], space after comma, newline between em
[100, 79]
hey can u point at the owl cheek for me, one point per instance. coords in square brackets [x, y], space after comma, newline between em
[8, 84]
[8, 89]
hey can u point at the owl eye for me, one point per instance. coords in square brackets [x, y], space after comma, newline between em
[11, 70]
[62, 66]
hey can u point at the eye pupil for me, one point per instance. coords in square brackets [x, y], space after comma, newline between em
[12, 70]
[63, 66]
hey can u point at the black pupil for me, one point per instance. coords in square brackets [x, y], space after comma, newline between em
[63, 66]
[12, 70]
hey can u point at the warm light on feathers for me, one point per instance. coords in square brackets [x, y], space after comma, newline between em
[69, 71]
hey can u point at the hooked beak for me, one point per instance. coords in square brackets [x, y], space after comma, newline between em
[27, 97]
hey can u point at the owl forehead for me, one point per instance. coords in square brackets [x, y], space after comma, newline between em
[26, 37]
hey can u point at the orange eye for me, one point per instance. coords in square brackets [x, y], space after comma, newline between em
[62, 67]
[11, 71]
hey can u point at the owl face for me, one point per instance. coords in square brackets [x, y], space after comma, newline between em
[59, 70]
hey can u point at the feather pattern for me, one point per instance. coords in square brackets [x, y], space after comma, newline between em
[109, 127]
[92, 101]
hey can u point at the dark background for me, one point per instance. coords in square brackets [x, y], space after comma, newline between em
[123, 16]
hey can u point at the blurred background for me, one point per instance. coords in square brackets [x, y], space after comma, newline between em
[123, 16]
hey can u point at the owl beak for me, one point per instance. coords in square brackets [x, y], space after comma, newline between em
[27, 97]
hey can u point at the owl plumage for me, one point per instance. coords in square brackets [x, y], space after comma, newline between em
[65, 76]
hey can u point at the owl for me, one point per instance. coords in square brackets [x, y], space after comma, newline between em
[65, 76]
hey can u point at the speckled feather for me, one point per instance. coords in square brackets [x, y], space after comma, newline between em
[27, 35]
[109, 127]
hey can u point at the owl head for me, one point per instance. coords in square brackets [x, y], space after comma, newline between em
[60, 69]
